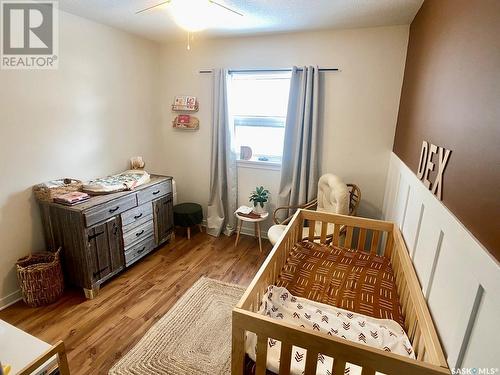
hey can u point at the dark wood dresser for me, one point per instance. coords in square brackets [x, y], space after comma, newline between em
[109, 233]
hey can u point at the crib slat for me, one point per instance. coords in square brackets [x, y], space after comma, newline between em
[348, 237]
[237, 351]
[421, 350]
[324, 227]
[415, 342]
[312, 224]
[300, 227]
[261, 359]
[285, 358]
[388, 245]
[336, 235]
[311, 362]
[374, 244]
[338, 366]
[361, 239]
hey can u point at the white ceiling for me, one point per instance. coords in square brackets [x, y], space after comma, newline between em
[260, 16]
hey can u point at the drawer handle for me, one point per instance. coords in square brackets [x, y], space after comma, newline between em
[111, 210]
[138, 216]
[156, 192]
[139, 233]
[142, 250]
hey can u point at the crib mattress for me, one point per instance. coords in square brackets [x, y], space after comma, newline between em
[352, 280]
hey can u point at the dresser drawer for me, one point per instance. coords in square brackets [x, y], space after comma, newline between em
[137, 234]
[139, 222]
[139, 250]
[110, 209]
[135, 215]
[153, 192]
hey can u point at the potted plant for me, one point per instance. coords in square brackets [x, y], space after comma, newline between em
[259, 197]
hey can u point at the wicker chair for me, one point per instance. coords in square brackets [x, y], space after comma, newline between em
[354, 199]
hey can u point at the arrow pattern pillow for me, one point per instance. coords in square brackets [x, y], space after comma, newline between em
[278, 303]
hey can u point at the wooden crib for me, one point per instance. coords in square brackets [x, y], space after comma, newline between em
[375, 236]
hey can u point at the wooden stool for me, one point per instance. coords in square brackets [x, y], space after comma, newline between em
[188, 215]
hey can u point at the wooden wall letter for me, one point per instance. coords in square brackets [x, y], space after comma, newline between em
[426, 165]
[423, 160]
[430, 165]
[444, 155]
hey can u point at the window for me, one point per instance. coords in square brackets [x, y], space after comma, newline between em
[258, 103]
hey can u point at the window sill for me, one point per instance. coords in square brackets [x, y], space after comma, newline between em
[257, 164]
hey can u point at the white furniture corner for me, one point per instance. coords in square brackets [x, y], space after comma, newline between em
[19, 349]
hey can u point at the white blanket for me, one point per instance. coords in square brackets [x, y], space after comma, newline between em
[127, 180]
[279, 303]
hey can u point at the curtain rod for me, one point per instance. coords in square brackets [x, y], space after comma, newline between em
[204, 71]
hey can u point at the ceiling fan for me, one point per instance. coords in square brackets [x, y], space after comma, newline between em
[192, 15]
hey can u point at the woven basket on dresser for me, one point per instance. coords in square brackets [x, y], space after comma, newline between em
[47, 191]
[40, 278]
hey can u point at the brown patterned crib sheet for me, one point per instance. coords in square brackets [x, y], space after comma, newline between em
[352, 280]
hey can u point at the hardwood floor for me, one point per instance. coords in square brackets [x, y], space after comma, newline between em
[98, 332]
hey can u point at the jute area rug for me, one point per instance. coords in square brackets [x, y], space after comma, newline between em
[194, 337]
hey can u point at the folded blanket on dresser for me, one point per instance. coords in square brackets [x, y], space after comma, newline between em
[127, 180]
[279, 303]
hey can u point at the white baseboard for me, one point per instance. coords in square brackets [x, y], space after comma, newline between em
[10, 299]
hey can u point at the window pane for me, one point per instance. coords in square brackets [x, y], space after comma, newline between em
[260, 95]
[258, 102]
[262, 141]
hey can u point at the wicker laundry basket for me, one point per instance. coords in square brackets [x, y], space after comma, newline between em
[40, 278]
[48, 190]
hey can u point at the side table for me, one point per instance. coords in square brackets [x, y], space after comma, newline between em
[241, 218]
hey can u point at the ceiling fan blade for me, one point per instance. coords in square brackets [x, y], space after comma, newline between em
[153, 6]
[225, 7]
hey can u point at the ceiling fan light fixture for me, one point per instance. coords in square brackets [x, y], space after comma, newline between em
[191, 15]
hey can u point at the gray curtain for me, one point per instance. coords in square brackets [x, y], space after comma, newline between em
[300, 169]
[223, 174]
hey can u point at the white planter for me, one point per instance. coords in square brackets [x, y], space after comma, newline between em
[260, 210]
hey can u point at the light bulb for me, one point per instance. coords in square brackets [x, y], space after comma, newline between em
[191, 15]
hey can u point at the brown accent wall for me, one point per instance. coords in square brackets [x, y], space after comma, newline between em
[451, 97]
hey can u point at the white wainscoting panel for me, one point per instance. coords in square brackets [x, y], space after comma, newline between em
[459, 278]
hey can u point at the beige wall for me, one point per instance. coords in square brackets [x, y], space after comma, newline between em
[83, 120]
[111, 97]
[360, 104]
